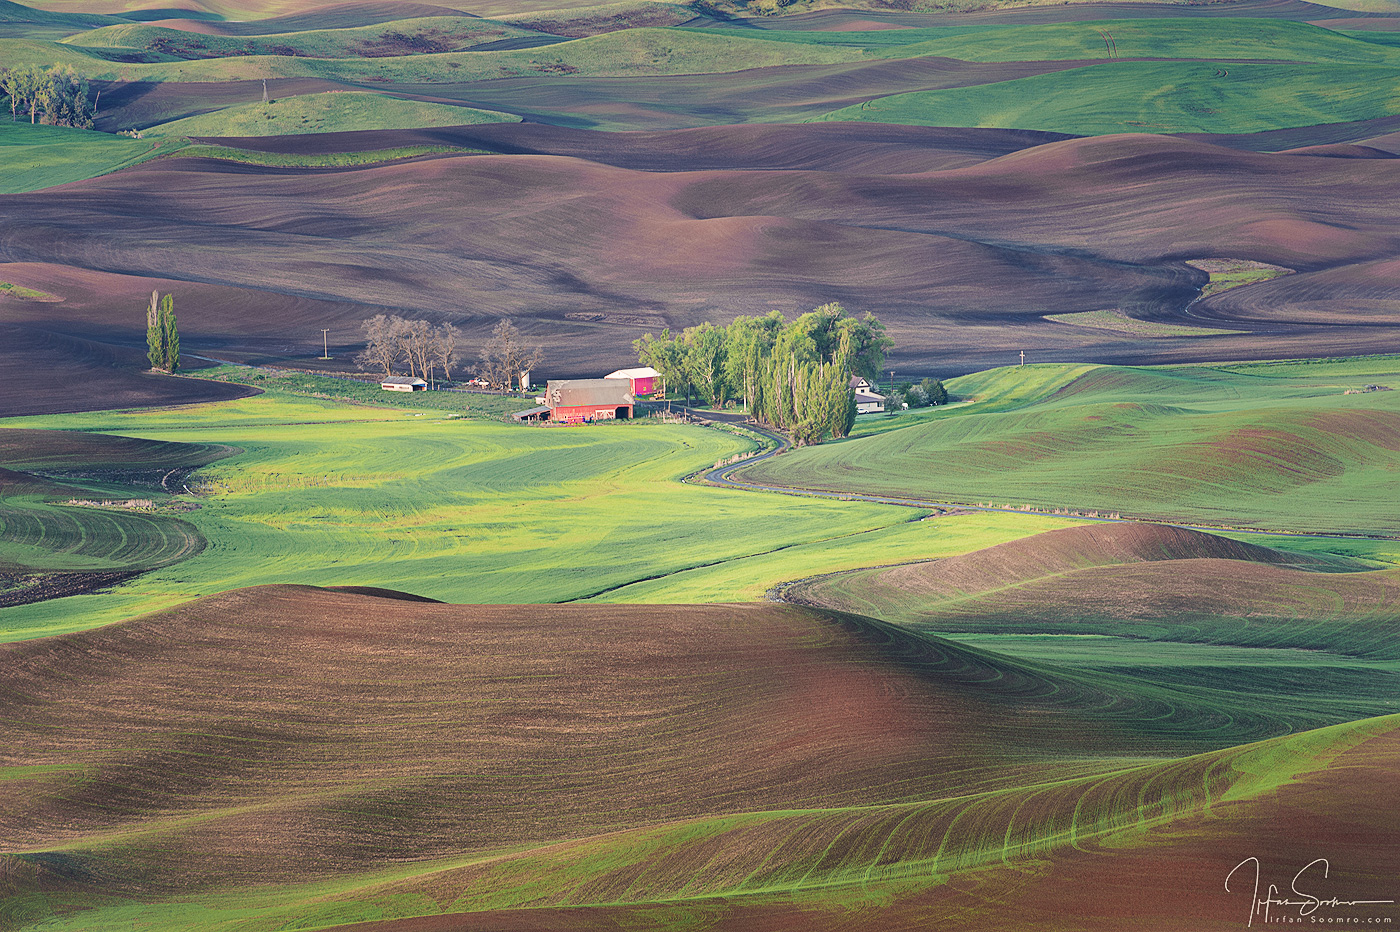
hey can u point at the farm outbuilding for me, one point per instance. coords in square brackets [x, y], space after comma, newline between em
[868, 401]
[645, 381]
[576, 400]
[400, 383]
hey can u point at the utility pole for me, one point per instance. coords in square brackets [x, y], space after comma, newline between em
[325, 347]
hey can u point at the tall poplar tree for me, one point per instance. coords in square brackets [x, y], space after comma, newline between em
[155, 334]
[170, 336]
[793, 375]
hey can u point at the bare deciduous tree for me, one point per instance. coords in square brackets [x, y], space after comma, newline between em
[399, 336]
[445, 348]
[416, 338]
[391, 341]
[381, 343]
[504, 357]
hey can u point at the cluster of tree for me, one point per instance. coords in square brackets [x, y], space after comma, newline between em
[57, 96]
[919, 395]
[162, 338]
[793, 375]
[505, 360]
[391, 341]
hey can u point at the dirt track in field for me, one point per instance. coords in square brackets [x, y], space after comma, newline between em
[960, 250]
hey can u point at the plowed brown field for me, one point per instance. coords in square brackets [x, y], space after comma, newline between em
[290, 733]
[1166, 879]
[1136, 581]
[960, 251]
[305, 732]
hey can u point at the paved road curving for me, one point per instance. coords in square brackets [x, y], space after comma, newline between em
[724, 476]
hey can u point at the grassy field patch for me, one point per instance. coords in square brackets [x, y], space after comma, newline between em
[416, 498]
[1151, 97]
[367, 391]
[83, 510]
[1234, 273]
[37, 157]
[1186, 444]
[1120, 322]
[330, 112]
[643, 51]
[396, 37]
[1217, 38]
[11, 290]
[1340, 372]
[313, 160]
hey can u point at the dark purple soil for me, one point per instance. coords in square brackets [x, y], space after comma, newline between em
[46, 368]
[958, 247]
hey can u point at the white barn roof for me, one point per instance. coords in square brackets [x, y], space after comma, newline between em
[645, 372]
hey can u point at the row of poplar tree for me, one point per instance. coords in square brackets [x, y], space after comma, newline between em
[793, 375]
[57, 96]
[162, 339]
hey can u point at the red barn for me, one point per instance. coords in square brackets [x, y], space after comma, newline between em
[575, 400]
[645, 381]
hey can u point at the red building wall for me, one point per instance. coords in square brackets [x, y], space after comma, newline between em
[587, 413]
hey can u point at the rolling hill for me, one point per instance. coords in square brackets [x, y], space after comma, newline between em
[1135, 581]
[1154, 604]
[315, 113]
[1092, 223]
[1184, 445]
[964, 240]
[769, 758]
[1022, 718]
[86, 511]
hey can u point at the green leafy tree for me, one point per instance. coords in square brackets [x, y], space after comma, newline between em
[170, 335]
[24, 87]
[704, 361]
[65, 98]
[843, 405]
[57, 96]
[12, 85]
[666, 355]
[795, 376]
[859, 346]
[925, 393]
[155, 335]
[748, 343]
[934, 391]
